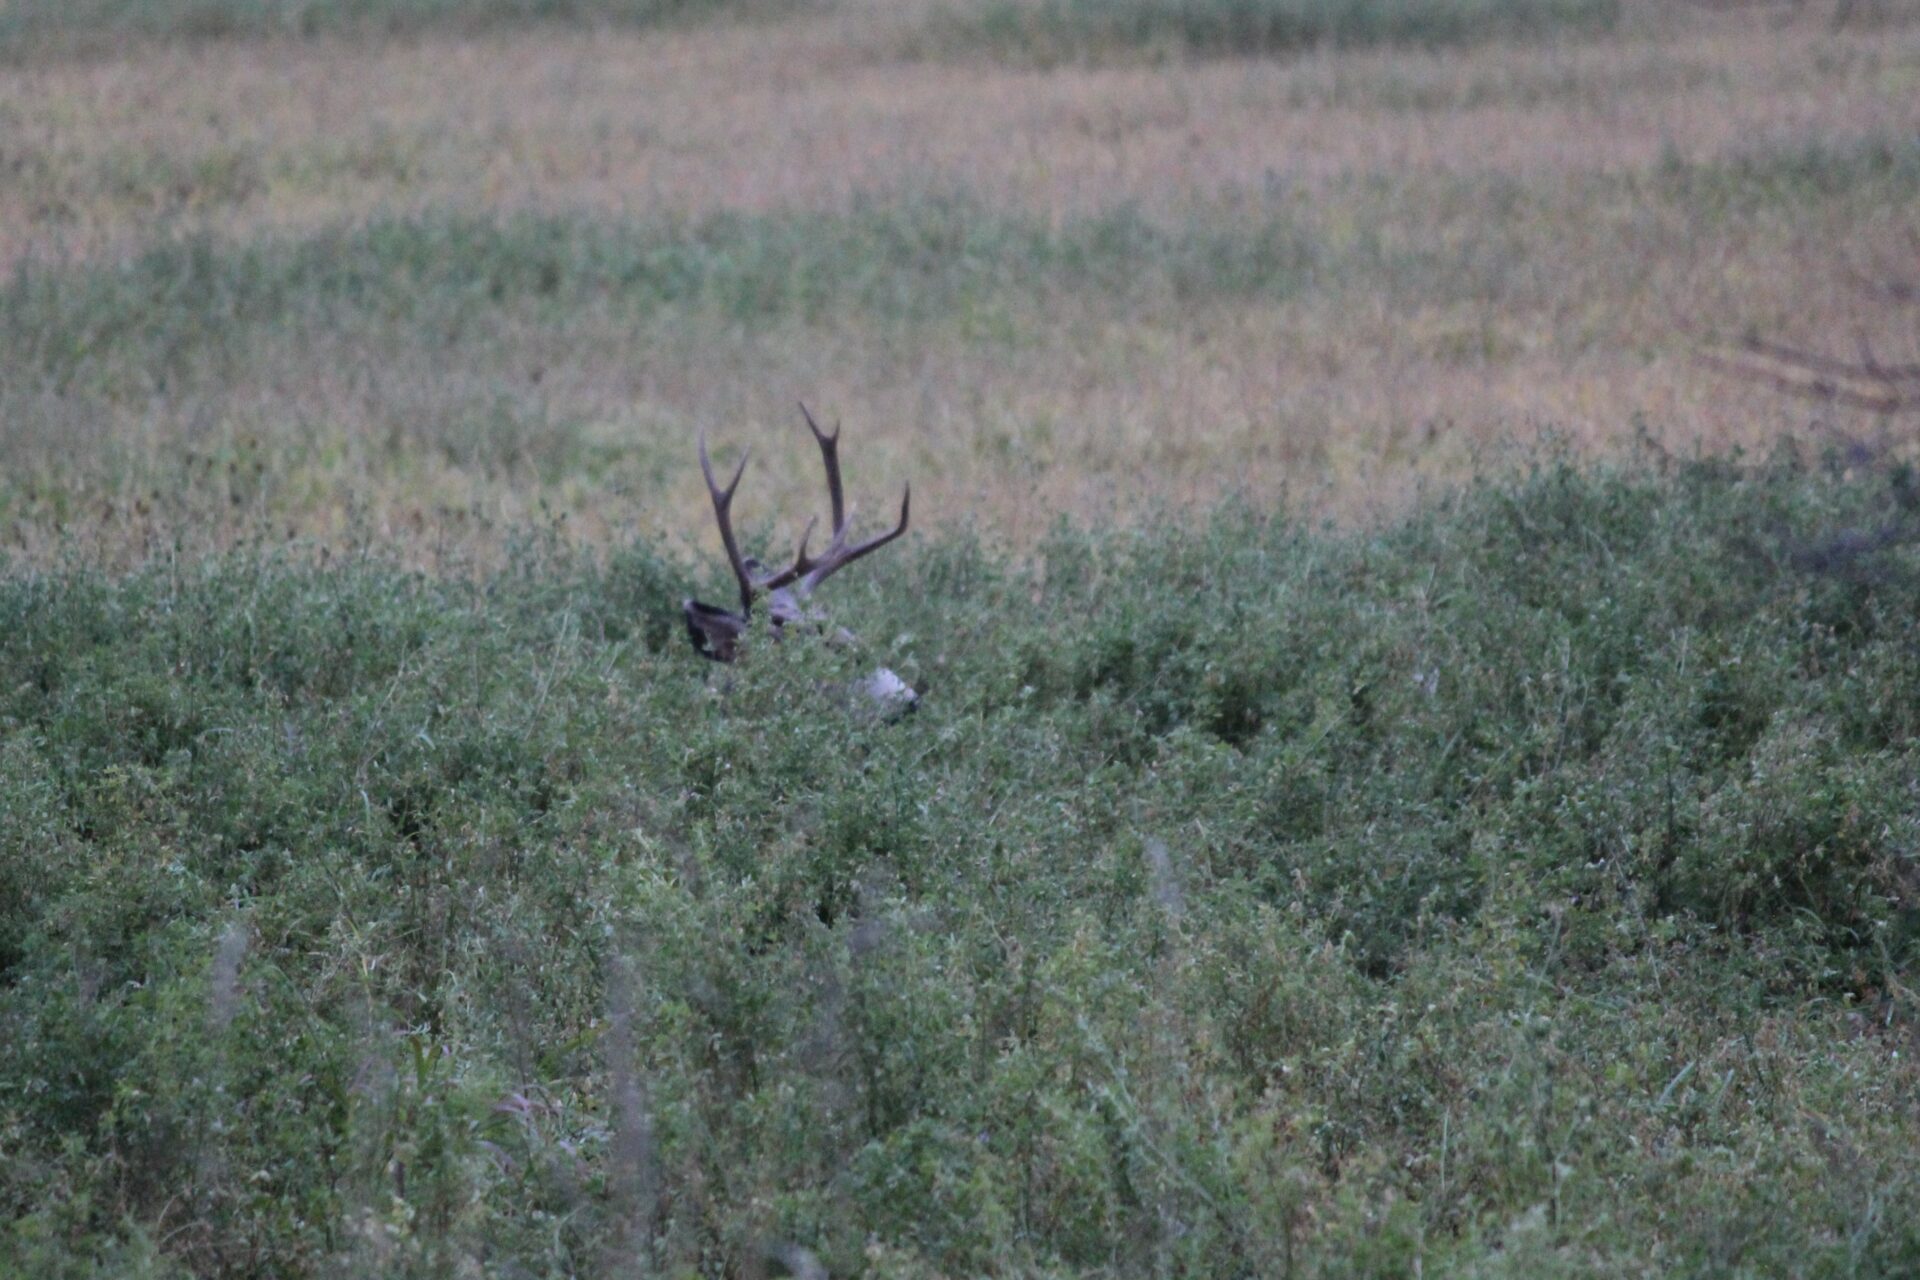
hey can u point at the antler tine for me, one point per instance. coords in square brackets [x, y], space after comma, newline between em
[801, 566]
[830, 454]
[840, 555]
[723, 515]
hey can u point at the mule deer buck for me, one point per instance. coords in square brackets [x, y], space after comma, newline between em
[716, 632]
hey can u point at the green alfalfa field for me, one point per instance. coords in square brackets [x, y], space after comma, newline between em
[1416, 767]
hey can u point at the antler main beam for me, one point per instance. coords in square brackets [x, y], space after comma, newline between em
[830, 453]
[810, 573]
[723, 515]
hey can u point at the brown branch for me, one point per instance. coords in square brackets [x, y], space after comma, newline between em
[1866, 368]
[1815, 386]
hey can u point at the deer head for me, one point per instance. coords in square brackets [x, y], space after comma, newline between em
[716, 631]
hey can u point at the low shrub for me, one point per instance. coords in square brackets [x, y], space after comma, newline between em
[1055, 30]
[1529, 885]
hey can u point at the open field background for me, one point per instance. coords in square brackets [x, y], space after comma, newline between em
[441, 279]
[1417, 774]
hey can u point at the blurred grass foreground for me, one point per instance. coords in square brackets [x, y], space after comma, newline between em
[1528, 888]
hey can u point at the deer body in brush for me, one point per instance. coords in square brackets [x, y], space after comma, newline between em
[717, 631]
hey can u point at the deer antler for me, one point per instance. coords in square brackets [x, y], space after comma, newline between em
[810, 573]
[715, 631]
[830, 453]
[723, 515]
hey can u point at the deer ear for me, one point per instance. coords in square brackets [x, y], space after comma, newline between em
[715, 632]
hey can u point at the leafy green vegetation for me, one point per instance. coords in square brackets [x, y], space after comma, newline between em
[442, 318]
[197, 311]
[1526, 889]
[429, 357]
[183, 303]
[1053, 30]
[30, 28]
[1874, 167]
[1047, 29]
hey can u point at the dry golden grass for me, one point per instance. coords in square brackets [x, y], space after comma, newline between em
[1576, 299]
